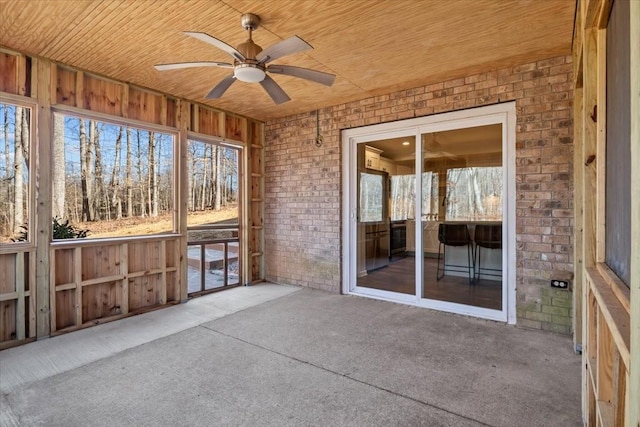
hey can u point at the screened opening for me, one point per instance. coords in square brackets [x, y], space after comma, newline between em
[213, 216]
[111, 180]
[618, 156]
[15, 164]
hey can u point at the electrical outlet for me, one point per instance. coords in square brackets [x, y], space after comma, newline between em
[560, 284]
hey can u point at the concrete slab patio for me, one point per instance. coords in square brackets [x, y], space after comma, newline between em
[279, 355]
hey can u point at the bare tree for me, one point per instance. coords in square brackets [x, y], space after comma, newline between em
[58, 174]
[152, 189]
[128, 177]
[116, 201]
[143, 211]
[100, 200]
[18, 164]
[217, 179]
[86, 158]
[7, 211]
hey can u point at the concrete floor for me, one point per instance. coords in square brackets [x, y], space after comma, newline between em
[277, 355]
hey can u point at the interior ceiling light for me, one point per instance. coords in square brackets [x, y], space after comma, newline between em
[406, 143]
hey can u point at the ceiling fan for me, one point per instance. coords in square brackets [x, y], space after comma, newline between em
[251, 64]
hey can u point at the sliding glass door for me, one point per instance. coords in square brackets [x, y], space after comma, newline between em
[385, 215]
[462, 216]
[428, 216]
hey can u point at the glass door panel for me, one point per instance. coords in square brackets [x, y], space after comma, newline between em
[386, 215]
[461, 221]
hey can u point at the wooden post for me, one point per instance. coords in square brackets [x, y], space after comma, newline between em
[601, 144]
[634, 369]
[579, 288]
[44, 206]
[182, 184]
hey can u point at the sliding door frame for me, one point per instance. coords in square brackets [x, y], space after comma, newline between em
[504, 114]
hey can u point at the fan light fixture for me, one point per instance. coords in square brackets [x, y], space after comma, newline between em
[249, 73]
[251, 63]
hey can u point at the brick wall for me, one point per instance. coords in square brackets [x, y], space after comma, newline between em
[303, 192]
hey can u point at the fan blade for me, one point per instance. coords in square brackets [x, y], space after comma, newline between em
[180, 65]
[285, 47]
[217, 43]
[303, 73]
[221, 87]
[275, 92]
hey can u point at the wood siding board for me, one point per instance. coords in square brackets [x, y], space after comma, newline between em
[9, 73]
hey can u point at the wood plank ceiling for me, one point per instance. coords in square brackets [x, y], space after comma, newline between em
[373, 46]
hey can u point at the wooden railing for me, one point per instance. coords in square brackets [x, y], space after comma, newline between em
[17, 296]
[607, 356]
[100, 280]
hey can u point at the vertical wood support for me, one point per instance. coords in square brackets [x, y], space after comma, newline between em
[124, 105]
[20, 306]
[590, 159]
[21, 75]
[633, 394]
[32, 292]
[579, 288]
[124, 270]
[80, 89]
[77, 278]
[44, 206]
[246, 230]
[183, 185]
[163, 274]
[52, 290]
[601, 144]
[163, 110]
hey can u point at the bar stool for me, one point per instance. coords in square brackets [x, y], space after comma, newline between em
[488, 237]
[454, 235]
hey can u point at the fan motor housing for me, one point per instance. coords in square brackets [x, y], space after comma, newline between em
[249, 49]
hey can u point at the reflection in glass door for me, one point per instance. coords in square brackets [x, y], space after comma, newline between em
[213, 237]
[462, 188]
[386, 215]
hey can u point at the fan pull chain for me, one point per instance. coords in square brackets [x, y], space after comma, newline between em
[319, 138]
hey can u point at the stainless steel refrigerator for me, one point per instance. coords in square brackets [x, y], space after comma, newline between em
[373, 214]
